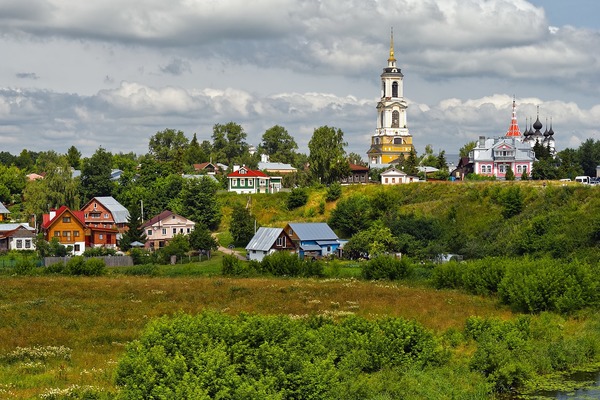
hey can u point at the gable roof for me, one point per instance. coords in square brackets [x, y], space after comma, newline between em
[264, 238]
[394, 171]
[119, 213]
[162, 216]
[358, 168]
[12, 227]
[248, 173]
[3, 209]
[47, 222]
[313, 231]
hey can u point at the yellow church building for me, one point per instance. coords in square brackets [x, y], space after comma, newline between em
[392, 139]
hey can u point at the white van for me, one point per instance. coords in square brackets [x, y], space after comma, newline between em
[583, 179]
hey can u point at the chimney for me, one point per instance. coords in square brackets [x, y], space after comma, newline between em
[264, 158]
[481, 141]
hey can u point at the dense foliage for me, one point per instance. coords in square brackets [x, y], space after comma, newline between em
[268, 357]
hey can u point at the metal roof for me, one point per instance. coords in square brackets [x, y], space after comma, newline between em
[12, 227]
[119, 213]
[264, 238]
[3, 209]
[311, 247]
[313, 231]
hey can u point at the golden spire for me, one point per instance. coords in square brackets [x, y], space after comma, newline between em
[392, 58]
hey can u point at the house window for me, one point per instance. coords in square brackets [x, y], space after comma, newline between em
[27, 243]
[501, 168]
[75, 233]
[100, 236]
[280, 242]
[393, 180]
[188, 230]
[57, 233]
[85, 215]
[149, 233]
[180, 230]
[250, 182]
[174, 231]
[66, 219]
[524, 169]
[19, 244]
[67, 234]
[386, 180]
[164, 231]
[519, 169]
[262, 182]
[95, 205]
[106, 216]
[76, 248]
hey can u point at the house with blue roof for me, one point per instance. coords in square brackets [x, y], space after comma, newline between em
[314, 240]
[267, 241]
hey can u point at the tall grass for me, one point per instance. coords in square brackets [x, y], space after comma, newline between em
[96, 317]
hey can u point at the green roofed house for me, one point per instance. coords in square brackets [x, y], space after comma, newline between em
[244, 180]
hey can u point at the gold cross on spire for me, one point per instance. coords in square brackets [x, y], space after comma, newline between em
[392, 58]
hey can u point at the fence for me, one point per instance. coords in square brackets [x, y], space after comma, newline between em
[110, 261]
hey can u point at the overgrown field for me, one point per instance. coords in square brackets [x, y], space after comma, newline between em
[531, 246]
[96, 317]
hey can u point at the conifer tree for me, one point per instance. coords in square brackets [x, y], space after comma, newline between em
[135, 233]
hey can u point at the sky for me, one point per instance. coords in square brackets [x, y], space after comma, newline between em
[113, 73]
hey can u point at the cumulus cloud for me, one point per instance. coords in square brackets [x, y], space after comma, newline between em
[190, 64]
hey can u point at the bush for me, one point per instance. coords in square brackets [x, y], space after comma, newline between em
[232, 266]
[80, 266]
[387, 267]
[213, 356]
[24, 267]
[334, 191]
[56, 268]
[297, 198]
[448, 275]
[142, 269]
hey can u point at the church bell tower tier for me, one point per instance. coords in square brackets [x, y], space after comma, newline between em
[391, 139]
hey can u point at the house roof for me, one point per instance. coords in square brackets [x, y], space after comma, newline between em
[393, 171]
[275, 166]
[119, 213]
[358, 168]
[247, 173]
[3, 209]
[156, 218]
[47, 222]
[12, 227]
[313, 231]
[203, 165]
[264, 238]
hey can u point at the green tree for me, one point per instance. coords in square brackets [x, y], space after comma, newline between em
[466, 149]
[74, 157]
[229, 142]
[14, 180]
[569, 166]
[411, 163]
[178, 246]
[201, 239]
[589, 156]
[26, 160]
[194, 153]
[95, 175]
[334, 192]
[199, 203]
[356, 159]
[327, 157]
[351, 215]
[510, 175]
[278, 144]
[7, 159]
[134, 232]
[241, 226]
[375, 241]
[297, 198]
[511, 200]
[168, 145]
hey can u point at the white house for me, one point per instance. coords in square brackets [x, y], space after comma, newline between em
[17, 237]
[267, 241]
[395, 176]
[163, 227]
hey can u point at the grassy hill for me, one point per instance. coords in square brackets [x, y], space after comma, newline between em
[475, 219]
